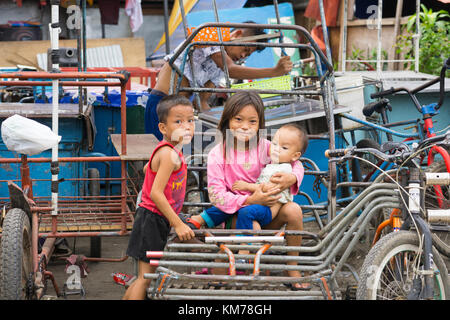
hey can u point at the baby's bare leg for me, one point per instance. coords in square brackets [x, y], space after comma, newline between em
[275, 209]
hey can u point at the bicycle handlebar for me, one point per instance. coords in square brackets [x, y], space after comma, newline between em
[401, 154]
[383, 93]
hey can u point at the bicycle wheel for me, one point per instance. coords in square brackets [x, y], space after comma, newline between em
[388, 270]
[16, 256]
[438, 199]
[361, 170]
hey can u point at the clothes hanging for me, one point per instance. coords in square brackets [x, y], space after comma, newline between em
[133, 9]
[331, 8]
[109, 11]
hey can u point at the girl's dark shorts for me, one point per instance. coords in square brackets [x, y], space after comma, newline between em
[149, 233]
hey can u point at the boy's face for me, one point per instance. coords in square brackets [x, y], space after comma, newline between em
[179, 125]
[285, 146]
[237, 53]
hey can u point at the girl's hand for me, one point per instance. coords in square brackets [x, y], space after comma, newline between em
[283, 180]
[239, 185]
[283, 66]
[268, 198]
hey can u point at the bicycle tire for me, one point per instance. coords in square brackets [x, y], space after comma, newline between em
[357, 174]
[16, 255]
[378, 258]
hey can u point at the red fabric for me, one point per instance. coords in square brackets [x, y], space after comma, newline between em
[317, 35]
[109, 11]
[175, 188]
[331, 8]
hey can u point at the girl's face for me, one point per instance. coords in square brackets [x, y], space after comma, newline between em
[245, 124]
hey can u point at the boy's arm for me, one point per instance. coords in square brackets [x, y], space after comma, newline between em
[164, 171]
[236, 71]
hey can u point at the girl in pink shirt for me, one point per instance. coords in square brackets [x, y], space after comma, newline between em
[242, 155]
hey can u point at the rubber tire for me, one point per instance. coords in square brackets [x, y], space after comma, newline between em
[363, 143]
[16, 255]
[94, 190]
[384, 247]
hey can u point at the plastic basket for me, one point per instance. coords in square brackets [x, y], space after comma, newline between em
[277, 83]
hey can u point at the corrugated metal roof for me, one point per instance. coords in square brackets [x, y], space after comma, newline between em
[109, 56]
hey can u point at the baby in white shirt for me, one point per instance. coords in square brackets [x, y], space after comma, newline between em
[288, 144]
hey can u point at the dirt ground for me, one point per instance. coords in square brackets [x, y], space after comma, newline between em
[98, 284]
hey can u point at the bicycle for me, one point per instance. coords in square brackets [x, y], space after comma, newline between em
[437, 196]
[407, 264]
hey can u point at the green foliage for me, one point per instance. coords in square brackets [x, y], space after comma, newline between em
[359, 54]
[434, 42]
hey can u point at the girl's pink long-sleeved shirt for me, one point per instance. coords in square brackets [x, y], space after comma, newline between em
[239, 165]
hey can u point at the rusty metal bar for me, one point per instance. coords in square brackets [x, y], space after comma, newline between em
[255, 25]
[62, 75]
[83, 234]
[61, 83]
[64, 159]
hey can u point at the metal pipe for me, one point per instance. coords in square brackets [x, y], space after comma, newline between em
[62, 83]
[222, 49]
[260, 252]
[82, 234]
[54, 42]
[62, 75]
[262, 26]
[191, 62]
[379, 22]
[64, 159]
[166, 25]
[240, 293]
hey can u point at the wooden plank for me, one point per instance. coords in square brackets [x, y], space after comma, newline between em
[25, 52]
[139, 146]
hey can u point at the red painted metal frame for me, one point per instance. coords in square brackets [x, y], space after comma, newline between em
[73, 79]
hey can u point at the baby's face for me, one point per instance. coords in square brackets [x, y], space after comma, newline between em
[285, 146]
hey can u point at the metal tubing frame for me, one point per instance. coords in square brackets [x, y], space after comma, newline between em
[122, 80]
[340, 236]
[253, 25]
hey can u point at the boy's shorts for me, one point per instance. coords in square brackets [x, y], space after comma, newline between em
[149, 233]
[245, 216]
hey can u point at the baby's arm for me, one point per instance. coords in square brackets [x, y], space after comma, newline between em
[244, 186]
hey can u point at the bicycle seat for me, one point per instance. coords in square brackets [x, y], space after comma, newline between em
[377, 106]
[390, 146]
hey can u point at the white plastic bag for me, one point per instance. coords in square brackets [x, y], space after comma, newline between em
[27, 136]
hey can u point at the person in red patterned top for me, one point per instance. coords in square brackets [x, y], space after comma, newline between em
[163, 190]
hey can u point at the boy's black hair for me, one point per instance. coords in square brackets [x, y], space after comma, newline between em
[303, 135]
[253, 32]
[168, 102]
